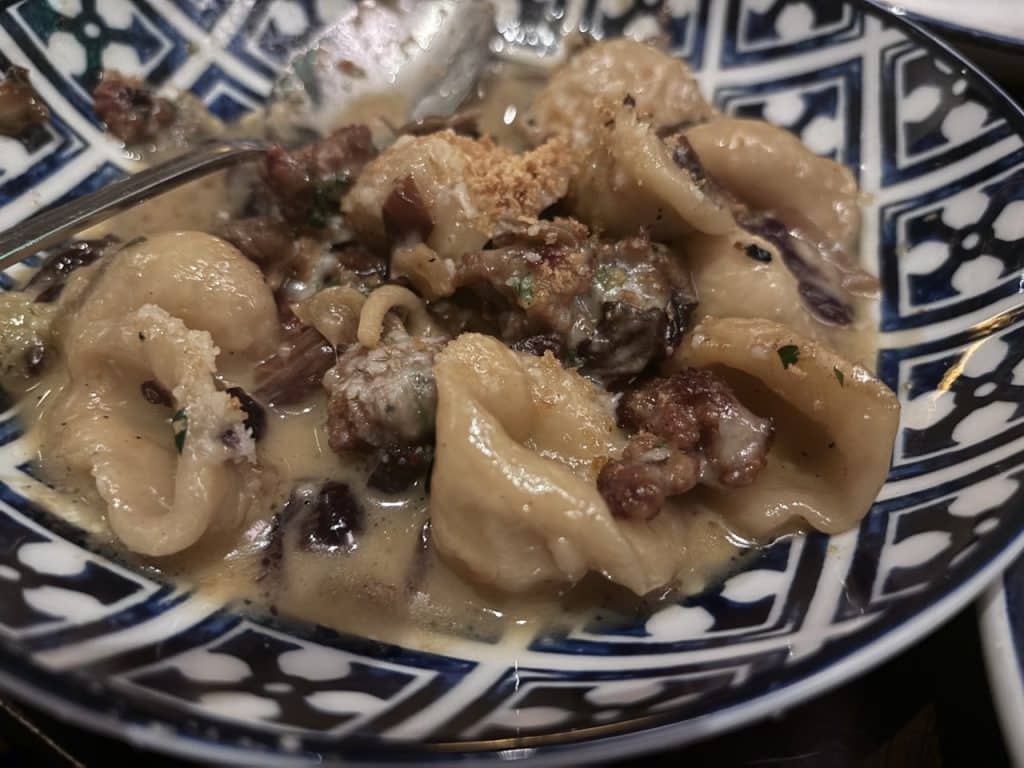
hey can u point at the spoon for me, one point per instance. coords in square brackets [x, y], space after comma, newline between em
[418, 58]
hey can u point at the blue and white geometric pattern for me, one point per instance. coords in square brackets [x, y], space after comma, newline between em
[941, 158]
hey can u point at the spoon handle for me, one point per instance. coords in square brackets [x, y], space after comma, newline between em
[55, 225]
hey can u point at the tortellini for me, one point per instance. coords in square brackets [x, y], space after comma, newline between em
[513, 499]
[599, 78]
[632, 179]
[835, 426]
[197, 277]
[450, 191]
[769, 168]
[158, 503]
[156, 316]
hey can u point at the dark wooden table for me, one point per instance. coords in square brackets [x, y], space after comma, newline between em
[929, 706]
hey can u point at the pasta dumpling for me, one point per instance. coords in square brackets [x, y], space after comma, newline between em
[632, 179]
[450, 191]
[158, 503]
[194, 276]
[158, 314]
[598, 78]
[835, 426]
[769, 168]
[513, 500]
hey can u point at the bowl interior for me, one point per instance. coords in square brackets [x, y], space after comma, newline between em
[940, 154]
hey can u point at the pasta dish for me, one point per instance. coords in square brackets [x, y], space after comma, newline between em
[577, 348]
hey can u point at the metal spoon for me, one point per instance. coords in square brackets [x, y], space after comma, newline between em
[425, 56]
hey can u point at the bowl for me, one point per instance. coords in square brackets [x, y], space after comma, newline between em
[936, 146]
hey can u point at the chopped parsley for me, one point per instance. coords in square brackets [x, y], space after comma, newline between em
[839, 376]
[179, 423]
[325, 200]
[789, 355]
[523, 286]
[609, 276]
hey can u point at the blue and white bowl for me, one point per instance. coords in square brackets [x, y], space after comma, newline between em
[991, 21]
[939, 149]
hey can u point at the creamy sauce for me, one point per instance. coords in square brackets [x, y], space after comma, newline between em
[391, 585]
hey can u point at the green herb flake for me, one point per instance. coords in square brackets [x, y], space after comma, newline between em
[789, 355]
[608, 276]
[523, 286]
[326, 197]
[839, 376]
[134, 241]
[572, 360]
[179, 423]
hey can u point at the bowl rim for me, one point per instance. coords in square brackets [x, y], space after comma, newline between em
[860, 651]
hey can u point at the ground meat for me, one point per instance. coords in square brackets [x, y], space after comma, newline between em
[616, 306]
[695, 410]
[48, 281]
[649, 471]
[308, 182]
[297, 369]
[385, 396]
[20, 105]
[130, 110]
[538, 266]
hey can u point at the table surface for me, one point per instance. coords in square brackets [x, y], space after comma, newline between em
[929, 706]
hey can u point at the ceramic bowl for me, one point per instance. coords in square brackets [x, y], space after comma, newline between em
[938, 148]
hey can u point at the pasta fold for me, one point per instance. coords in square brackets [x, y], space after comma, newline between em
[519, 440]
[835, 426]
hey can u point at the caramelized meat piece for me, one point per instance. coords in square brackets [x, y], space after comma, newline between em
[626, 342]
[308, 182]
[464, 123]
[695, 410]
[131, 111]
[264, 240]
[643, 298]
[361, 262]
[20, 105]
[649, 471]
[404, 212]
[541, 343]
[383, 397]
[49, 279]
[619, 306]
[538, 266]
[297, 368]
